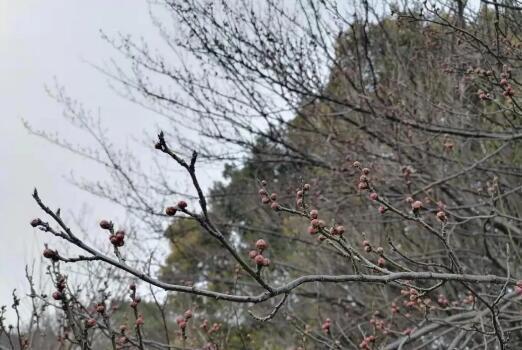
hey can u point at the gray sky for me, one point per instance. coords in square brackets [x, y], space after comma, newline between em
[39, 41]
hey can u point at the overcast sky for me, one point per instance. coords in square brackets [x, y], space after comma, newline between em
[40, 41]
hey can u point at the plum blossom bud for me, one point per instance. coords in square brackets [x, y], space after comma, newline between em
[50, 254]
[100, 308]
[89, 323]
[171, 211]
[518, 288]
[140, 320]
[57, 295]
[312, 230]
[442, 300]
[188, 314]
[105, 224]
[441, 216]
[416, 205]
[326, 326]
[36, 222]
[259, 260]
[261, 244]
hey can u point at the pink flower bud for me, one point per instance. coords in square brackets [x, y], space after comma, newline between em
[416, 205]
[363, 185]
[252, 254]
[105, 224]
[441, 216]
[261, 244]
[259, 259]
[36, 222]
[90, 322]
[57, 295]
[171, 211]
[312, 230]
[188, 314]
